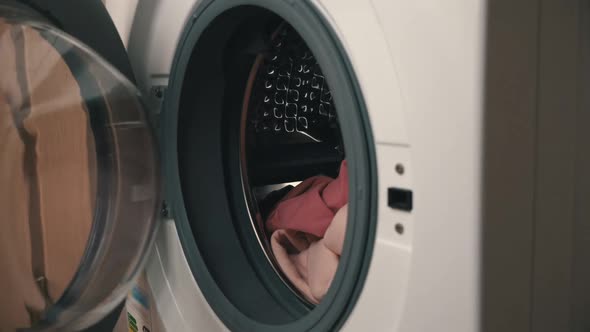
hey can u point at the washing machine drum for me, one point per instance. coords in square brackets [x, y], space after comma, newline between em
[79, 176]
[262, 133]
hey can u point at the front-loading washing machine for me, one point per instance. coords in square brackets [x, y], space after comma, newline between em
[463, 125]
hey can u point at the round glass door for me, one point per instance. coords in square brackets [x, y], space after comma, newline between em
[79, 186]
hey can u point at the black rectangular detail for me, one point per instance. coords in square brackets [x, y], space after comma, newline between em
[400, 199]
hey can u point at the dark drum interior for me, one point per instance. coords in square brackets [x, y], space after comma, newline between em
[255, 115]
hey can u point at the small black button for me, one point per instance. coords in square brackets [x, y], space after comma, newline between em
[400, 199]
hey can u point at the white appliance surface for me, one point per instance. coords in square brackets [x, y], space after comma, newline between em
[422, 68]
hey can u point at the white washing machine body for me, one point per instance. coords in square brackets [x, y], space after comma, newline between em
[430, 80]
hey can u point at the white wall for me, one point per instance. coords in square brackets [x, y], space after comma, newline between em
[122, 13]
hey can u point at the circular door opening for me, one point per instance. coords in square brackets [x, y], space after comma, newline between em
[264, 132]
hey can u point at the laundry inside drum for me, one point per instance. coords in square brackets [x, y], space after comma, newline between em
[293, 164]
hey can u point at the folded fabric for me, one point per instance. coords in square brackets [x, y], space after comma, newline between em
[269, 202]
[310, 262]
[308, 227]
[311, 206]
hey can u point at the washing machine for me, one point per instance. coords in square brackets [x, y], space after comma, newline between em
[463, 125]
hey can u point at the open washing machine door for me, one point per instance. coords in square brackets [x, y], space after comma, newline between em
[457, 77]
[82, 170]
[212, 268]
[79, 171]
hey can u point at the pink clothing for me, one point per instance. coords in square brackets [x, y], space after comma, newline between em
[308, 228]
[311, 206]
[310, 263]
